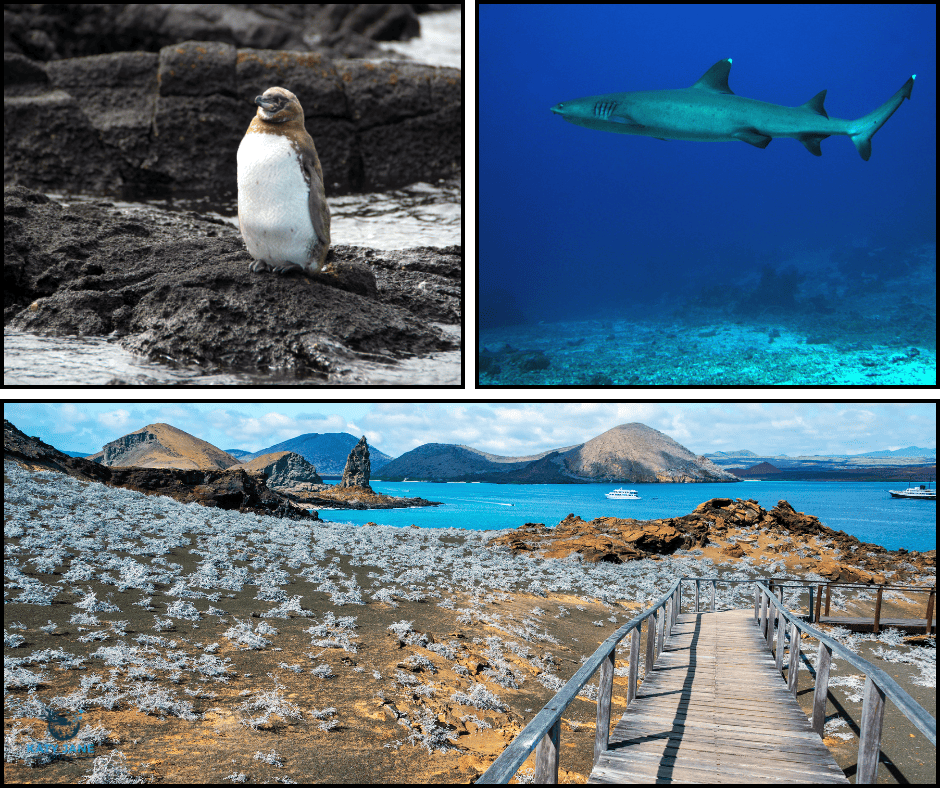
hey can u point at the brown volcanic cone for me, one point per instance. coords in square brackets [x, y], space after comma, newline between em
[163, 446]
[637, 453]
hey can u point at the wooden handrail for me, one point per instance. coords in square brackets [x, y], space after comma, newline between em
[544, 731]
[878, 684]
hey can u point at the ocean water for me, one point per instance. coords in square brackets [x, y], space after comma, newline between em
[862, 509]
[614, 259]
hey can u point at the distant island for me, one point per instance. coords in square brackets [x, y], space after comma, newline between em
[632, 453]
[627, 454]
[908, 464]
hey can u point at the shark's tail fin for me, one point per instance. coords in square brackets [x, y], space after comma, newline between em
[863, 129]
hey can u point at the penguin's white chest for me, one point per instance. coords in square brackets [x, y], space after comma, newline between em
[274, 201]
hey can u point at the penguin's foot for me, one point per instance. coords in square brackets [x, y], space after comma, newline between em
[262, 265]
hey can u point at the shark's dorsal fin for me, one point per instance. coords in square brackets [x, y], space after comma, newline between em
[716, 78]
[815, 104]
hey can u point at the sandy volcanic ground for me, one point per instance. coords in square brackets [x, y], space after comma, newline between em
[206, 646]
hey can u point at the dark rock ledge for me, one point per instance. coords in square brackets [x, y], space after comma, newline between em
[176, 287]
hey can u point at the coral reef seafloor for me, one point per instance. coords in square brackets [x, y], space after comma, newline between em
[864, 319]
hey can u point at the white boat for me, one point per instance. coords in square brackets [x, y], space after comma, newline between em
[620, 493]
[750, 480]
[922, 491]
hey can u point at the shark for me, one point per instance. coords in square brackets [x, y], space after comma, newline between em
[710, 111]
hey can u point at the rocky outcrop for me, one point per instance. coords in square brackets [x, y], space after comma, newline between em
[609, 539]
[356, 473]
[174, 120]
[286, 471]
[332, 496]
[235, 490]
[841, 557]
[163, 446]
[183, 290]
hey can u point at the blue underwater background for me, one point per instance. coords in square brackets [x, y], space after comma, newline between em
[614, 259]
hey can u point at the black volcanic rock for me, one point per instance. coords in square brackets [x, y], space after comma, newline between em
[286, 471]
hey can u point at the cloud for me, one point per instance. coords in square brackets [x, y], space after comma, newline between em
[254, 433]
[116, 420]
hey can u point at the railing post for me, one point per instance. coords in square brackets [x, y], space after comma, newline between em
[546, 756]
[822, 688]
[869, 743]
[878, 608]
[697, 584]
[650, 642]
[781, 637]
[930, 598]
[661, 630]
[771, 617]
[809, 610]
[714, 592]
[605, 687]
[764, 601]
[634, 665]
[818, 601]
[756, 604]
[794, 658]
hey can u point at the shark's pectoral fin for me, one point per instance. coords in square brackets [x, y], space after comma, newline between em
[622, 117]
[753, 137]
[811, 142]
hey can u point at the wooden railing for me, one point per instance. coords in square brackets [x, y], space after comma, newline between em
[544, 731]
[880, 589]
[769, 612]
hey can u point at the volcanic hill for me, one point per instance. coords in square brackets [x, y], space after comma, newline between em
[627, 453]
[163, 446]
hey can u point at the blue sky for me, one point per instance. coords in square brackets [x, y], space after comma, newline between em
[575, 221]
[509, 429]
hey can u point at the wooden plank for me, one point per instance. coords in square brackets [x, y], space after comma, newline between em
[715, 709]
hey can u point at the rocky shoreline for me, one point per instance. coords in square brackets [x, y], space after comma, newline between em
[178, 290]
[334, 497]
[735, 528]
[238, 489]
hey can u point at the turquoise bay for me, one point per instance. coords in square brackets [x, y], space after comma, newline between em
[862, 509]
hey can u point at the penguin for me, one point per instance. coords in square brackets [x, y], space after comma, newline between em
[282, 210]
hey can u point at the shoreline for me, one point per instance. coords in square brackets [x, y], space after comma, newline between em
[438, 645]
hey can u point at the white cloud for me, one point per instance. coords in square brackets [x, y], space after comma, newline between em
[116, 420]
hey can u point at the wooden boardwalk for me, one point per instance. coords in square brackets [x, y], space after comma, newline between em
[715, 709]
